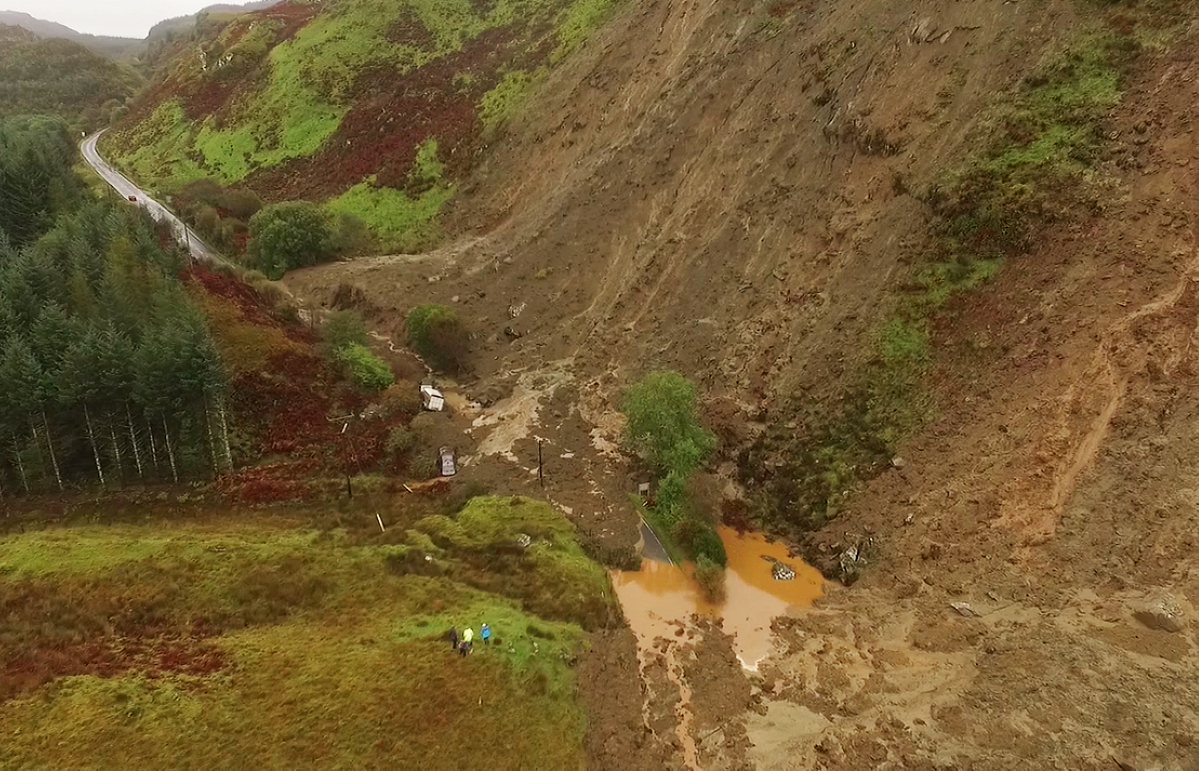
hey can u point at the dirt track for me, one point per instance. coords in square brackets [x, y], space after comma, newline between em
[681, 197]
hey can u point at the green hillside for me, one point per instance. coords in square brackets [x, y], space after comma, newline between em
[225, 642]
[59, 77]
[375, 107]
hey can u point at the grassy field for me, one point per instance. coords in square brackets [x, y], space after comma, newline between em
[207, 642]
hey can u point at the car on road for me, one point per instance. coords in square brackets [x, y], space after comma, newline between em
[133, 198]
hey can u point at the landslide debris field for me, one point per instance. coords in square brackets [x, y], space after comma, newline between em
[933, 268]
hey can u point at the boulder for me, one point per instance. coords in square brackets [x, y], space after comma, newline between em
[1161, 610]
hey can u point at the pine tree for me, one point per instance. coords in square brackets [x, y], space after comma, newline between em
[52, 337]
[78, 385]
[20, 381]
[117, 380]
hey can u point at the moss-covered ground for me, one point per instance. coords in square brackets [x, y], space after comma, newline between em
[214, 640]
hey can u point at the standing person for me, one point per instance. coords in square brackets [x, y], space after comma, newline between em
[485, 633]
[468, 637]
[453, 638]
[462, 646]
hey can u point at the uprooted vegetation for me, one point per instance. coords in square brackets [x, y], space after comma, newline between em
[1037, 161]
[305, 413]
[116, 637]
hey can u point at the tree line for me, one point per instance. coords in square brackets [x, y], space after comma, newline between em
[108, 372]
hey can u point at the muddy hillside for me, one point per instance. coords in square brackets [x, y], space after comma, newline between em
[934, 267]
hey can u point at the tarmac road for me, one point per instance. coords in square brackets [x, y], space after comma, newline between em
[120, 183]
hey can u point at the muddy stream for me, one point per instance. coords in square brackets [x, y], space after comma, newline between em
[661, 599]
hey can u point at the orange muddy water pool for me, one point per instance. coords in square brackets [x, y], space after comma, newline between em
[659, 595]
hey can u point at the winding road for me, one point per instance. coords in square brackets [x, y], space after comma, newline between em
[119, 182]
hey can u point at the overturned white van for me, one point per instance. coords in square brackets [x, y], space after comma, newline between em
[431, 398]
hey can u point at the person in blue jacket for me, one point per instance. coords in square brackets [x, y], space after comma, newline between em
[485, 633]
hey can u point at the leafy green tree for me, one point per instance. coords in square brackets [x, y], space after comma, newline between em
[116, 379]
[663, 424]
[99, 342]
[289, 235]
[663, 427]
[36, 180]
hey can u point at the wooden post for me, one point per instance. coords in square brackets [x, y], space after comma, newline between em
[540, 467]
[345, 461]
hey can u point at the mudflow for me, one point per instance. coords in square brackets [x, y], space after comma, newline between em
[710, 187]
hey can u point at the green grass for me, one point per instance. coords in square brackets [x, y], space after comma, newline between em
[226, 153]
[84, 550]
[304, 88]
[401, 220]
[1038, 152]
[162, 149]
[502, 102]
[331, 643]
[578, 21]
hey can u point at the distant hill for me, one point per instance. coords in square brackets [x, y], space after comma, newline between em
[112, 47]
[59, 77]
[185, 23]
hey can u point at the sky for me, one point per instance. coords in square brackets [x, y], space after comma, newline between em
[123, 18]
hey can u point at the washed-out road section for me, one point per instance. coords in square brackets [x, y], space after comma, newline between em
[119, 182]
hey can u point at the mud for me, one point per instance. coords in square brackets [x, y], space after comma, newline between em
[659, 596]
[691, 199]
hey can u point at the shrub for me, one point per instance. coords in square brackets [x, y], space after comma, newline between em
[402, 398]
[343, 328]
[671, 497]
[242, 204]
[662, 423]
[400, 440]
[424, 463]
[365, 368]
[437, 334]
[351, 236]
[290, 235]
[710, 578]
[708, 546]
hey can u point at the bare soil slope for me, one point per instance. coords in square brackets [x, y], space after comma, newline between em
[710, 185]
[723, 189]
